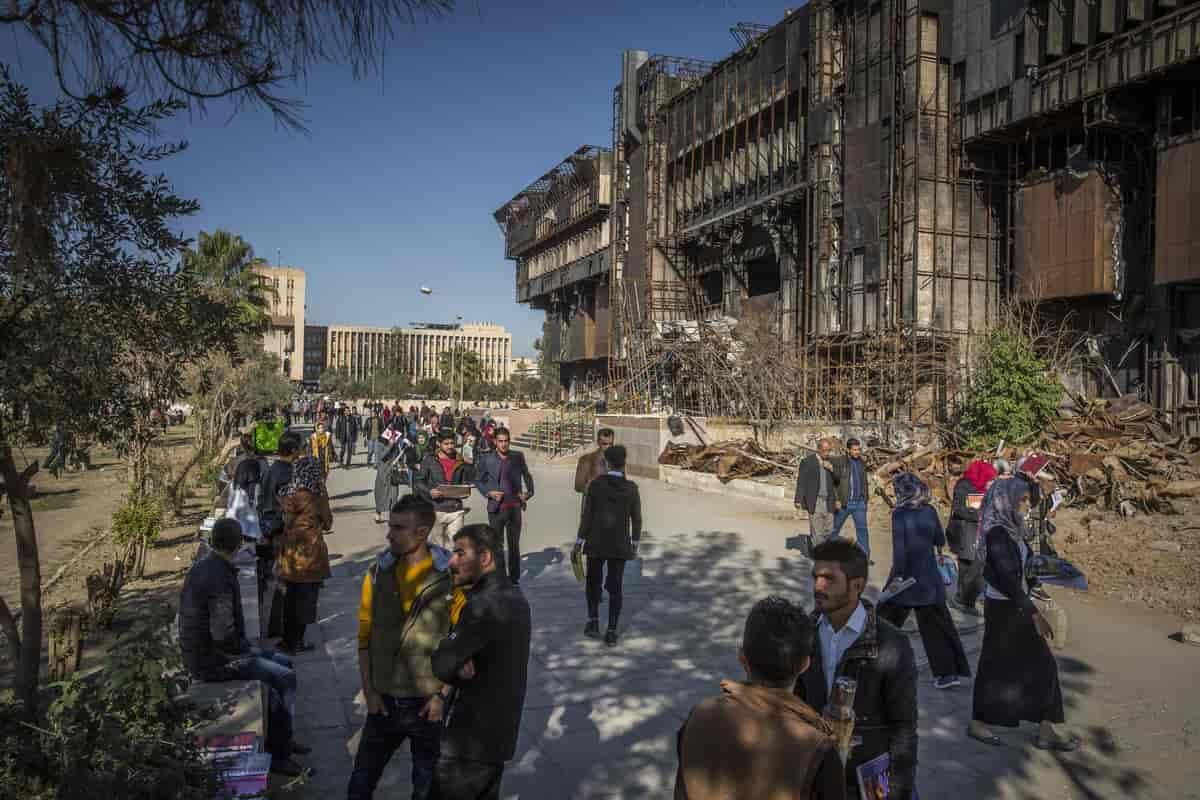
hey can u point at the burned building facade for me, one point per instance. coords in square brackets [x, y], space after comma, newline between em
[878, 178]
[558, 231]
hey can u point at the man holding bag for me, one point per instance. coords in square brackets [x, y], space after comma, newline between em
[610, 529]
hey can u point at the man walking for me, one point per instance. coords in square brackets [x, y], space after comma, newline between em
[407, 607]
[610, 528]
[486, 659]
[438, 468]
[499, 477]
[757, 739]
[853, 493]
[854, 642]
[373, 430]
[592, 465]
[815, 492]
[212, 639]
[345, 430]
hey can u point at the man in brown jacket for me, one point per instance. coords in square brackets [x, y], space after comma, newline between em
[757, 739]
[592, 465]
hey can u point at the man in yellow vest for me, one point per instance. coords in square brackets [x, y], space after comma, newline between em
[409, 602]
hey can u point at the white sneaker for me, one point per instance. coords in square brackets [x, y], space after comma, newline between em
[946, 682]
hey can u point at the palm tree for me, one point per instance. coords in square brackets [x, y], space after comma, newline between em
[466, 363]
[225, 264]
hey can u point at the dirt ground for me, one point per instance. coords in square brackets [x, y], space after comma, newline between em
[1147, 560]
[72, 511]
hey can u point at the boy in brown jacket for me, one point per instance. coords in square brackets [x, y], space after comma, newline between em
[757, 739]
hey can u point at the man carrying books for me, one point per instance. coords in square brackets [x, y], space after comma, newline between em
[438, 471]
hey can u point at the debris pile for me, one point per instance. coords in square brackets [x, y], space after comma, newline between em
[729, 460]
[1114, 454]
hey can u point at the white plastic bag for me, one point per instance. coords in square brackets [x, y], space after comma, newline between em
[241, 509]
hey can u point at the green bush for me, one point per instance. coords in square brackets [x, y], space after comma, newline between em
[119, 733]
[1012, 395]
[138, 520]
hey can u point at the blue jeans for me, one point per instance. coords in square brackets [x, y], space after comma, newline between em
[858, 510]
[385, 733]
[275, 670]
[371, 444]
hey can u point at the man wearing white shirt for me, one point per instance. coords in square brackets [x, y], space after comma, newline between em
[855, 643]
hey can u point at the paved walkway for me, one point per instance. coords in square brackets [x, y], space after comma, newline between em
[601, 722]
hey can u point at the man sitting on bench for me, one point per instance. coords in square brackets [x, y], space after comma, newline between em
[212, 636]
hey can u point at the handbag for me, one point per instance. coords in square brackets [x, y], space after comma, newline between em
[577, 563]
[947, 569]
[241, 509]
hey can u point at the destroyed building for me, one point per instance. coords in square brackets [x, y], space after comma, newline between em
[879, 178]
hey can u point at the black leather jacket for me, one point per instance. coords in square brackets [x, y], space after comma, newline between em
[212, 628]
[885, 703]
[493, 632]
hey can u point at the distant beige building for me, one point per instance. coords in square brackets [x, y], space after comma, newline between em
[417, 350]
[525, 367]
[286, 307]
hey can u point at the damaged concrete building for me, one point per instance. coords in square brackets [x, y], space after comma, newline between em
[878, 178]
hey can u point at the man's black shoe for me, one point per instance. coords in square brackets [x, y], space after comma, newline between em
[592, 629]
[301, 749]
[289, 768]
[610, 638]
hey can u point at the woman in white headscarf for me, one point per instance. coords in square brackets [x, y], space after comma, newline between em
[1017, 677]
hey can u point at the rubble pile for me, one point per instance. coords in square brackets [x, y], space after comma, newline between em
[1113, 454]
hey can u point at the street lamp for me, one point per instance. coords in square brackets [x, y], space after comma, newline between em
[461, 378]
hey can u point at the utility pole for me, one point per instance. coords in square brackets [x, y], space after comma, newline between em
[463, 377]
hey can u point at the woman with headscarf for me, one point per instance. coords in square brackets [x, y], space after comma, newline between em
[303, 559]
[1017, 677]
[390, 470]
[321, 447]
[916, 531]
[963, 530]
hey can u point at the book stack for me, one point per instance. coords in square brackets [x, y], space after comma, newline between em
[238, 757]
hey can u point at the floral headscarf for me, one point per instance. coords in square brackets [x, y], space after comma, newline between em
[911, 491]
[1001, 508]
[307, 473]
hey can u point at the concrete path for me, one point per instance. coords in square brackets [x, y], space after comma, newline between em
[601, 722]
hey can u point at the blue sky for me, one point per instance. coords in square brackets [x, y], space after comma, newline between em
[395, 183]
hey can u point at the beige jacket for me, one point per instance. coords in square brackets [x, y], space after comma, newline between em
[590, 467]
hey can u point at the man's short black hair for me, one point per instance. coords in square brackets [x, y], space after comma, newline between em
[605, 433]
[846, 554]
[501, 431]
[290, 443]
[422, 510]
[853, 443]
[445, 434]
[226, 535]
[778, 637]
[482, 537]
[615, 456]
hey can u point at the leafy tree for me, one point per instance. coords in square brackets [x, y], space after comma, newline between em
[433, 388]
[88, 286]
[334, 381]
[224, 263]
[206, 50]
[467, 367]
[1012, 395]
[548, 372]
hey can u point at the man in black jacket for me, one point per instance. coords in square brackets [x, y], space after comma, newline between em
[610, 529]
[438, 468]
[345, 430]
[486, 659]
[212, 639]
[816, 492]
[499, 477]
[855, 643]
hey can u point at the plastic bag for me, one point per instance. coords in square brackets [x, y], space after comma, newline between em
[241, 509]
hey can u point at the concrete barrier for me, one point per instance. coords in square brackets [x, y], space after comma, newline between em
[761, 494]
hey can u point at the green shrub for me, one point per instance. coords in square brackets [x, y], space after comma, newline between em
[1012, 395]
[138, 520]
[120, 733]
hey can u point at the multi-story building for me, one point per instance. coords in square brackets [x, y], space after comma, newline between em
[523, 367]
[286, 307]
[559, 232]
[417, 350]
[879, 178]
[316, 355]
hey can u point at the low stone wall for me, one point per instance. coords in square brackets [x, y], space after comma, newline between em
[761, 494]
[644, 436]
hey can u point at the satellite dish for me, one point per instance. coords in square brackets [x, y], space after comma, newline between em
[426, 290]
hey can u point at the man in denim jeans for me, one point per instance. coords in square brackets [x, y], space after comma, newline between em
[212, 638]
[408, 605]
[853, 484]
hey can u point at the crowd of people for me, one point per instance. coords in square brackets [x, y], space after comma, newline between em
[444, 628]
